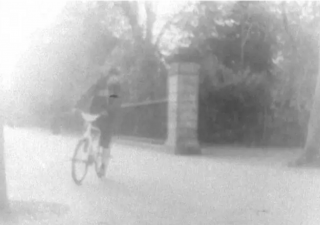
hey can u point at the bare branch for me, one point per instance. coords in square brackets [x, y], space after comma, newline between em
[167, 25]
[244, 43]
[151, 17]
[285, 23]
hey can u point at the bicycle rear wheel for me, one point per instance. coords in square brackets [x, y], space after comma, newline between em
[80, 160]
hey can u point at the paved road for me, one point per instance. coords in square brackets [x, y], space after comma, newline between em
[145, 188]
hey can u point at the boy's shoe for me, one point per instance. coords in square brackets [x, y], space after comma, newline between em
[103, 168]
[102, 171]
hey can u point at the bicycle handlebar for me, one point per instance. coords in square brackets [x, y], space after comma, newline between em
[88, 117]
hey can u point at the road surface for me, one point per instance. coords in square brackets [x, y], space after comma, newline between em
[144, 188]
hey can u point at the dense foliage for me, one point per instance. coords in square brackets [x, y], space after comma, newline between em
[259, 62]
[261, 91]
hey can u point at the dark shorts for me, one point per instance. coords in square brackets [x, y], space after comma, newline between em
[106, 125]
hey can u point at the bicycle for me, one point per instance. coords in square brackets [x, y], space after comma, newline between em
[88, 144]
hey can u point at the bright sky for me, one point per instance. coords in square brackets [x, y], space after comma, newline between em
[20, 18]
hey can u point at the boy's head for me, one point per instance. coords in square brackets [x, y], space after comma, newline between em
[114, 83]
[113, 76]
[106, 82]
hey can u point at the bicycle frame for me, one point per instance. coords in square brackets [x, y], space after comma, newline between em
[88, 134]
[91, 149]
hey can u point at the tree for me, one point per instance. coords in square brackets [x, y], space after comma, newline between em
[4, 203]
[142, 59]
[266, 37]
[253, 46]
[64, 59]
[311, 152]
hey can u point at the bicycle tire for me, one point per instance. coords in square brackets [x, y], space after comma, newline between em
[82, 143]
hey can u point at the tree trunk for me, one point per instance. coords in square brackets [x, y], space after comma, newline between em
[4, 203]
[312, 145]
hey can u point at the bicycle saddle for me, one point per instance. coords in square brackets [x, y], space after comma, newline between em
[89, 117]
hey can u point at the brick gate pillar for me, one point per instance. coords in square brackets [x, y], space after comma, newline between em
[183, 109]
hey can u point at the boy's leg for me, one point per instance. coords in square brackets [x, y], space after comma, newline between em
[101, 124]
[106, 154]
[105, 140]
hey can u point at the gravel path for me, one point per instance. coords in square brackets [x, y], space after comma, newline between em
[145, 188]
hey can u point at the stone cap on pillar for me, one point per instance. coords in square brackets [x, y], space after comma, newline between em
[184, 68]
[185, 62]
[185, 55]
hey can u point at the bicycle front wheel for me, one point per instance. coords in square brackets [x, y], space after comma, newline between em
[80, 161]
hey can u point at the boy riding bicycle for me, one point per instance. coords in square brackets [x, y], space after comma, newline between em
[106, 102]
